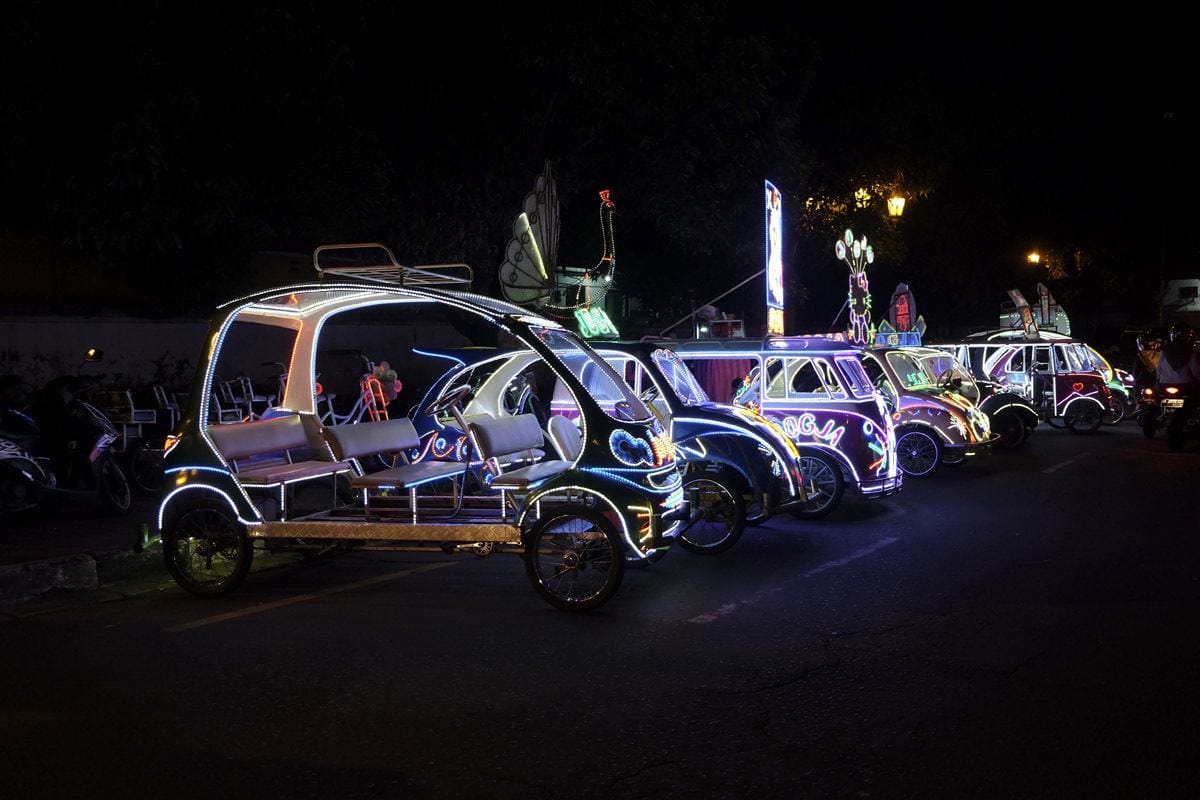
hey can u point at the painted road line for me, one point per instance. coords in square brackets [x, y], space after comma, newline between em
[304, 598]
[1069, 461]
[729, 608]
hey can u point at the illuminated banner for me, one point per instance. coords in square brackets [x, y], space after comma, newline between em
[594, 322]
[774, 256]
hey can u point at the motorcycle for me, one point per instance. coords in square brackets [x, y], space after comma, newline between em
[59, 449]
[1172, 409]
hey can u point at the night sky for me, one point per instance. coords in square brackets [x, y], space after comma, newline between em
[150, 141]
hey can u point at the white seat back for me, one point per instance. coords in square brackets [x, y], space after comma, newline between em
[566, 436]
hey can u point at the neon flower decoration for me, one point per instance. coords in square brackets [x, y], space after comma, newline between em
[857, 254]
[631, 450]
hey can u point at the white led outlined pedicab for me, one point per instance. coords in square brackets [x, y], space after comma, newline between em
[576, 523]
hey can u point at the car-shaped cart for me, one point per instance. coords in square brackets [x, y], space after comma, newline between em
[1011, 417]
[1047, 369]
[740, 468]
[934, 425]
[231, 487]
[814, 388]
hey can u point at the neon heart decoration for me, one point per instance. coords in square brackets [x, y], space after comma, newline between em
[1077, 386]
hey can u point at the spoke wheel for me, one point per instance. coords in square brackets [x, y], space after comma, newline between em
[573, 559]
[1116, 411]
[145, 468]
[823, 483]
[918, 453]
[1010, 428]
[1085, 420]
[717, 515]
[206, 551]
[115, 494]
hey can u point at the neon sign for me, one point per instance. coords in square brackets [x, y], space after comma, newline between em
[806, 425]
[774, 257]
[594, 322]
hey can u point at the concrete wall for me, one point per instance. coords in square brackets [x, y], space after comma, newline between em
[140, 352]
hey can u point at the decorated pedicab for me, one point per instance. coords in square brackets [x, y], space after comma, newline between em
[814, 388]
[229, 488]
[737, 467]
[740, 468]
[935, 424]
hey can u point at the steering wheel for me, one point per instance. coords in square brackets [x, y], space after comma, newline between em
[448, 401]
[946, 379]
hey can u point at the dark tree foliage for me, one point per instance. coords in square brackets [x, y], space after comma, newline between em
[170, 141]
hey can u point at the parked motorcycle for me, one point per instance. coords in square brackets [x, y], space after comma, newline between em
[1169, 408]
[58, 449]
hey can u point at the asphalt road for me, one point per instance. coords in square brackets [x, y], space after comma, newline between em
[1024, 625]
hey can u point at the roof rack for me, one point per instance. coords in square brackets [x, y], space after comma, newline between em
[344, 266]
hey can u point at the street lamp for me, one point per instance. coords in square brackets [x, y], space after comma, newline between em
[895, 206]
[1034, 257]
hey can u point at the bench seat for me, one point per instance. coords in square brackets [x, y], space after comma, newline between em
[238, 441]
[506, 436]
[521, 477]
[285, 473]
[406, 475]
[360, 439]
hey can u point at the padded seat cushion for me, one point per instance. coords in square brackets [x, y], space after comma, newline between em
[507, 435]
[521, 478]
[359, 439]
[276, 473]
[406, 475]
[255, 437]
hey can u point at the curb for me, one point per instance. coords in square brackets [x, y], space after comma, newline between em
[82, 572]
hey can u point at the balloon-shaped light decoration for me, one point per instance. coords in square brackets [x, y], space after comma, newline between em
[857, 254]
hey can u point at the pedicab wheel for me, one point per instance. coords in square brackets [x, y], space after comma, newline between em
[145, 467]
[206, 550]
[918, 452]
[823, 483]
[114, 491]
[574, 559]
[1116, 411]
[1011, 430]
[1085, 421]
[717, 518]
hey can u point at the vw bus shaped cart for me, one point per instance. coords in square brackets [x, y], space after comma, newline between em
[1011, 417]
[505, 382]
[1045, 368]
[814, 388]
[576, 522]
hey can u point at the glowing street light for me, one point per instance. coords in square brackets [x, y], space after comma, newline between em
[1034, 257]
[895, 205]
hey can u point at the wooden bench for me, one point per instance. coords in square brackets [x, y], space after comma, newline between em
[506, 436]
[260, 452]
[357, 440]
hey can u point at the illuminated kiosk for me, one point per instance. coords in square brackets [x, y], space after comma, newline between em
[576, 521]
[814, 388]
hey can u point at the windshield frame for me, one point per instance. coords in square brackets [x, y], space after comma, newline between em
[560, 341]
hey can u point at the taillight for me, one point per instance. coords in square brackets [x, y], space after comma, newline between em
[1172, 390]
[1147, 393]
